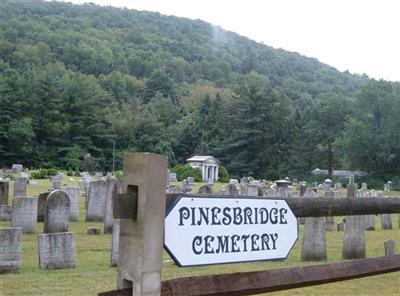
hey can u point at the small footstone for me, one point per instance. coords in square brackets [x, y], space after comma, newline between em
[56, 250]
[10, 250]
[390, 247]
[5, 213]
[93, 231]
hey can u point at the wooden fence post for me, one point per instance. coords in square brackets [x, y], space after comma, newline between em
[141, 238]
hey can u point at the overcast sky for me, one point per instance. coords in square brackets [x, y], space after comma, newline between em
[362, 36]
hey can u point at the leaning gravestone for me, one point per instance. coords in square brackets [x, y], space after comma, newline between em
[314, 239]
[56, 215]
[74, 194]
[10, 250]
[42, 205]
[205, 189]
[96, 200]
[24, 213]
[20, 186]
[5, 213]
[115, 242]
[354, 232]
[112, 188]
[330, 223]
[4, 188]
[56, 250]
[232, 189]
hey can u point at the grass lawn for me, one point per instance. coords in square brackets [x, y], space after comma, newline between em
[93, 273]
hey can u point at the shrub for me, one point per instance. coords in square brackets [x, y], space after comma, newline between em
[119, 175]
[36, 175]
[223, 174]
[184, 170]
[52, 172]
[70, 173]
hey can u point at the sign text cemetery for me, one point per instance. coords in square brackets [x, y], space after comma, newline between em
[225, 230]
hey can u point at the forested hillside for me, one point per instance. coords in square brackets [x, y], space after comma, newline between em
[75, 79]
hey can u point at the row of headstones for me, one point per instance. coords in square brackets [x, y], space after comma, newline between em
[314, 239]
[56, 244]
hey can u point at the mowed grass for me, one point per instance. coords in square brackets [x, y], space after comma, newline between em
[93, 273]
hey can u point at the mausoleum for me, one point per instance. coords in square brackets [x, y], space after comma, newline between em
[207, 164]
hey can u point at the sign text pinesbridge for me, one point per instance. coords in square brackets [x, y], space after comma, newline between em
[220, 230]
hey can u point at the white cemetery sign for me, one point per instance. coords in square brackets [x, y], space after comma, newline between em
[213, 230]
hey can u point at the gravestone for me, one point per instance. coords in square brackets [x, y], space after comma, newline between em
[173, 177]
[24, 213]
[390, 247]
[190, 180]
[232, 189]
[113, 187]
[98, 175]
[340, 226]
[338, 185]
[327, 184]
[234, 182]
[386, 219]
[96, 200]
[314, 239]
[4, 189]
[56, 250]
[205, 189]
[16, 168]
[369, 219]
[364, 186]
[56, 181]
[5, 213]
[115, 242]
[42, 205]
[93, 231]
[10, 250]
[330, 223]
[56, 214]
[186, 187]
[74, 195]
[252, 189]
[354, 232]
[20, 186]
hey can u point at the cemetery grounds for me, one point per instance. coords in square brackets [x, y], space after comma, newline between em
[93, 273]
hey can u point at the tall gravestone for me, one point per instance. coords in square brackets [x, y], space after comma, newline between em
[386, 219]
[354, 232]
[5, 213]
[330, 223]
[42, 205]
[369, 219]
[74, 194]
[56, 217]
[20, 186]
[112, 189]
[96, 200]
[4, 189]
[24, 213]
[10, 250]
[115, 242]
[56, 250]
[314, 239]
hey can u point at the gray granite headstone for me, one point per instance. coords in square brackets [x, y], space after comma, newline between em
[24, 213]
[56, 181]
[74, 194]
[56, 250]
[42, 205]
[232, 189]
[314, 239]
[113, 187]
[20, 185]
[390, 247]
[96, 200]
[16, 168]
[386, 219]
[5, 213]
[173, 177]
[369, 219]
[115, 242]
[234, 182]
[56, 217]
[190, 180]
[4, 189]
[354, 232]
[10, 250]
[205, 189]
